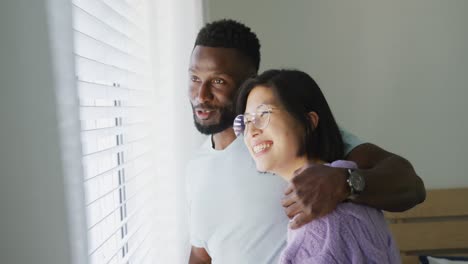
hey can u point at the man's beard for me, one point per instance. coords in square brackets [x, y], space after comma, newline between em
[226, 118]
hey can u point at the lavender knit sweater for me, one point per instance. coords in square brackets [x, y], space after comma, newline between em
[351, 234]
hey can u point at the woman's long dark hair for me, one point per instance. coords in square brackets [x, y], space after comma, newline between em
[300, 95]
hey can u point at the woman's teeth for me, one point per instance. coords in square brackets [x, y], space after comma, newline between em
[260, 147]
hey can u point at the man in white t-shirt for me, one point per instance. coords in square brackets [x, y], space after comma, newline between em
[235, 211]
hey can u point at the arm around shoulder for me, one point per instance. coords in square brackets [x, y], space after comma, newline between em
[391, 181]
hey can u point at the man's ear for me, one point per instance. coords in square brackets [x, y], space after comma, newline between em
[314, 118]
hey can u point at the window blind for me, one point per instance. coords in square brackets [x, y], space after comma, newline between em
[112, 74]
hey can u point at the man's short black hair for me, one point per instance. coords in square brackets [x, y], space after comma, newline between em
[228, 33]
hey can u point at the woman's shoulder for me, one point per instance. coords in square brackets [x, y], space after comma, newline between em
[356, 211]
[337, 228]
[341, 236]
[348, 213]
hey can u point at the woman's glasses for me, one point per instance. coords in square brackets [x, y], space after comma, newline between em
[260, 119]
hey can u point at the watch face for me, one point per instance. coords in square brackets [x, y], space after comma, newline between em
[357, 181]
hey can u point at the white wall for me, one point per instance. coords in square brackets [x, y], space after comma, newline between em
[395, 72]
[34, 204]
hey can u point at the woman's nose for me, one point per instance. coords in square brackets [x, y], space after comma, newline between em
[252, 131]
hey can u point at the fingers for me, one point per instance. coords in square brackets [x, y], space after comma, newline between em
[289, 199]
[299, 220]
[289, 189]
[302, 215]
[293, 210]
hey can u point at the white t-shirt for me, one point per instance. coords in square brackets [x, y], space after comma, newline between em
[235, 211]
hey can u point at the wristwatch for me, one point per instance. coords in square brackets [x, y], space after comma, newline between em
[356, 183]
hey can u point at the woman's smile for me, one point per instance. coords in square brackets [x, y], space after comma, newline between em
[261, 147]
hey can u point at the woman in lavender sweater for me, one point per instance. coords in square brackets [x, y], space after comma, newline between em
[282, 111]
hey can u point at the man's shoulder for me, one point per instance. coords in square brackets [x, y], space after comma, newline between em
[203, 149]
[350, 141]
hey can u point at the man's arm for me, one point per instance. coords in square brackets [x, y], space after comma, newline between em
[199, 256]
[391, 184]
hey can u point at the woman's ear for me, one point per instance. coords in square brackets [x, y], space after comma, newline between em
[314, 118]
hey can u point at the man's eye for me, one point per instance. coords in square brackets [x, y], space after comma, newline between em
[262, 113]
[194, 78]
[218, 81]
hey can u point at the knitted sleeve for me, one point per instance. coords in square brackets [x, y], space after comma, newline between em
[351, 234]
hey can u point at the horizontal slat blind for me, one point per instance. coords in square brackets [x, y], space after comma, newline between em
[111, 55]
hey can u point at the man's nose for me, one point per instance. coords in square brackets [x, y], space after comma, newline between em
[204, 93]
